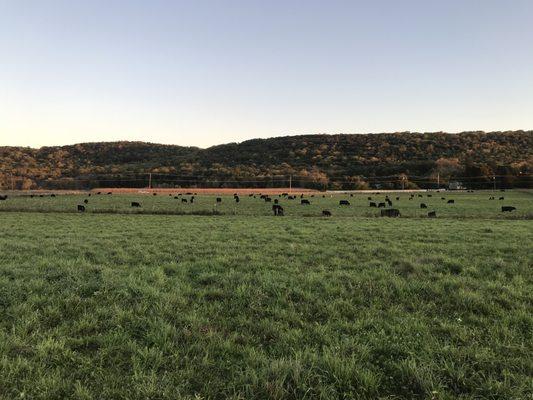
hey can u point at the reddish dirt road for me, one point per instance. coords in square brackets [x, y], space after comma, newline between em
[222, 191]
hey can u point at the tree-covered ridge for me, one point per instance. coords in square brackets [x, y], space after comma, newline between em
[334, 161]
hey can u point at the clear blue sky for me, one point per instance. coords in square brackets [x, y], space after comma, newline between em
[208, 72]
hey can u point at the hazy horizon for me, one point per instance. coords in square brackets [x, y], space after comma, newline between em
[207, 73]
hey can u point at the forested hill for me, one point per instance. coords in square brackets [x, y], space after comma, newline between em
[322, 161]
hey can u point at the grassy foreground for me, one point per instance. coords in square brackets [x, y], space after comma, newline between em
[182, 307]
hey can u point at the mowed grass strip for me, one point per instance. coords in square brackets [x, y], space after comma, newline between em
[168, 307]
[466, 205]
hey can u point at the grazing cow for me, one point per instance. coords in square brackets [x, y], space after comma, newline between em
[451, 201]
[278, 210]
[285, 194]
[98, 192]
[508, 208]
[501, 198]
[305, 202]
[381, 205]
[389, 202]
[135, 204]
[369, 198]
[372, 204]
[52, 195]
[176, 197]
[419, 195]
[109, 192]
[432, 214]
[397, 199]
[89, 195]
[351, 194]
[323, 196]
[192, 199]
[81, 208]
[491, 198]
[268, 200]
[430, 195]
[423, 205]
[219, 200]
[251, 195]
[85, 201]
[155, 194]
[443, 198]
[41, 195]
[344, 203]
[237, 199]
[184, 200]
[276, 201]
[3, 197]
[302, 196]
[391, 212]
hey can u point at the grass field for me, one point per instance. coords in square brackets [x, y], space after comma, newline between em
[467, 205]
[249, 306]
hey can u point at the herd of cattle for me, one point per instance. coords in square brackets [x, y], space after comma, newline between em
[278, 209]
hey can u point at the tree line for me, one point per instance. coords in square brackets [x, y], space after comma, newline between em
[348, 161]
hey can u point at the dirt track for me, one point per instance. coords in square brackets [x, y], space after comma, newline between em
[221, 191]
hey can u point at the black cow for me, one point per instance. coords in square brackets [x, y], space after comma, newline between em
[98, 192]
[508, 208]
[381, 205]
[192, 199]
[278, 210]
[135, 204]
[276, 201]
[326, 213]
[397, 198]
[176, 197]
[351, 194]
[184, 200]
[423, 205]
[85, 201]
[369, 198]
[419, 195]
[372, 204]
[237, 199]
[491, 198]
[109, 192]
[344, 203]
[391, 212]
[3, 197]
[52, 195]
[89, 195]
[219, 200]
[81, 208]
[305, 202]
[501, 198]
[443, 198]
[451, 201]
[268, 200]
[432, 214]
[429, 195]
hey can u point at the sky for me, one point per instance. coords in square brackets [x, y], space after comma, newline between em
[208, 72]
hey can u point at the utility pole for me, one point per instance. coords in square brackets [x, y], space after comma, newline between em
[438, 180]
[290, 183]
[150, 180]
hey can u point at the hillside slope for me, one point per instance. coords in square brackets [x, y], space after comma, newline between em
[333, 161]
